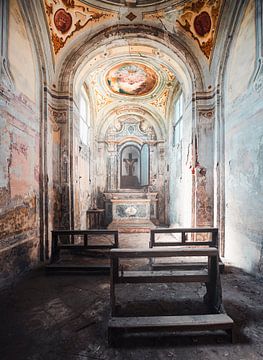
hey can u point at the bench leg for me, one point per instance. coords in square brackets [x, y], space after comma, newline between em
[231, 334]
[110, 337]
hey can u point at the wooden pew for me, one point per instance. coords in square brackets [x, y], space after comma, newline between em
[85, 247]
[216, 320]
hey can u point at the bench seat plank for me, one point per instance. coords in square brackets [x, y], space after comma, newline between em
[83, 246]
[166, 252]
[162, 276]
[62, 267]
[179, 323]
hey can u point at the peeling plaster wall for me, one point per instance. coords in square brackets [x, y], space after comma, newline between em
[19, 160]
[244, 150]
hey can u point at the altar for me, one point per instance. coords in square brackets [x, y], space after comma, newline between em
[134, 192]
[131, 211]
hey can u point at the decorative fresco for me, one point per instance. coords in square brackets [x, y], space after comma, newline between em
[67, 17]
[200, 20]
[131, 79]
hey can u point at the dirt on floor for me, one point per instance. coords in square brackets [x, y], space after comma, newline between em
[65, 317]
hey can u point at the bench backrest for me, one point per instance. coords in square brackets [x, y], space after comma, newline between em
[184, 241]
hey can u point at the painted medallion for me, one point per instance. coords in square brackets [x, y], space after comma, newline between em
[202, 23]
[131, 79]
[62, 20]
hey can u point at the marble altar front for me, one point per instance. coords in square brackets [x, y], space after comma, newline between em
[131, 211]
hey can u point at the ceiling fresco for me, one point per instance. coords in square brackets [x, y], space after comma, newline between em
[131, 79]
[137, 78]
[197, 19]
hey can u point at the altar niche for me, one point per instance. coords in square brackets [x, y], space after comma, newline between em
[134, 166]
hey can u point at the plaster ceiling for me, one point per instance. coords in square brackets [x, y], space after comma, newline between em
[144, 82]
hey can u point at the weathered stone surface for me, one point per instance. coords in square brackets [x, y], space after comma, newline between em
[18, 219]
[15, 260]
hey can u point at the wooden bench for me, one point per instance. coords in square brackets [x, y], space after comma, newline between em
[184, 241]
[211, 277]
[86, 248]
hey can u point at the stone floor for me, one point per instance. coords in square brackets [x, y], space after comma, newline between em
[65, 317]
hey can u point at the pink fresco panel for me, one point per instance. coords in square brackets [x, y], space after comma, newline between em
[23, 158]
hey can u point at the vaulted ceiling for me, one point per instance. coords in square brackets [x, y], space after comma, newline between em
[136, 70]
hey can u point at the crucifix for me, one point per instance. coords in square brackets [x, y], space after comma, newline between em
[130, 164]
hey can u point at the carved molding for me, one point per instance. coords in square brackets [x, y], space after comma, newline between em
[5, 77]
[57, 117]
[206, 118]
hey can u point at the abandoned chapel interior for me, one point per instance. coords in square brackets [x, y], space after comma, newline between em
[131, 131]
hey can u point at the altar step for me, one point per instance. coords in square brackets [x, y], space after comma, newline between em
[136, 226]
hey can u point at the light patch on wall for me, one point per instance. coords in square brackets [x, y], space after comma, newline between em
[20, 54]
[243, 55]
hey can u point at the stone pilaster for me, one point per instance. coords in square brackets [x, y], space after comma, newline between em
[203, 161]
[5, 77]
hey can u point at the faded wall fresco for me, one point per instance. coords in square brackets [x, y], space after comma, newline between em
[19, 162]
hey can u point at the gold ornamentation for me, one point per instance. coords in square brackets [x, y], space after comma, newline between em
[153, 15]
[58, 42]
[170, 75]
[70, 4]
[195, 7]
[49, 9]
[161, 101]
[102, 100]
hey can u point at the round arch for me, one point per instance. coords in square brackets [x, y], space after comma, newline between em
[181, 59]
